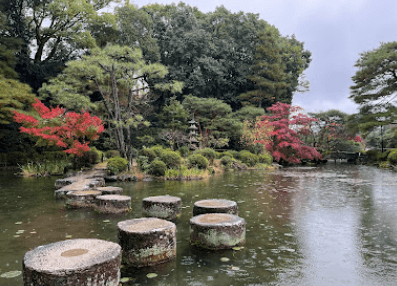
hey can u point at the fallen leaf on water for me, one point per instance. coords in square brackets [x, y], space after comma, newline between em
[11, 274]
[225, 259]
[151, 275]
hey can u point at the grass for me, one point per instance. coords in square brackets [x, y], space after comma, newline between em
[40, 169]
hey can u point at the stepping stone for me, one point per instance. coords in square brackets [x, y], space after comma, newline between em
[147, 241]
[82, 199]
[110, 190]
[164, 207]
[74, 262]
[215, 206]
[81, 185]
[112, 204]
[217, 231]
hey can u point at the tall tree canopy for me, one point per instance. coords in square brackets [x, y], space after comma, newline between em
[120, 76]
[52, 31]
[375, 86]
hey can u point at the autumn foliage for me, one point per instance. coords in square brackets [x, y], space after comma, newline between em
[55, 126]
[287, 131]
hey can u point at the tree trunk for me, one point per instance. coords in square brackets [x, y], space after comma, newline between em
[120, 140]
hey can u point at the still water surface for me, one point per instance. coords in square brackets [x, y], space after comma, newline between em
[332, 225]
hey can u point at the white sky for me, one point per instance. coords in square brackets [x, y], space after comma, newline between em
[335, 31]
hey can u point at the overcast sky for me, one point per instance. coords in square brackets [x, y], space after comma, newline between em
[335, 31]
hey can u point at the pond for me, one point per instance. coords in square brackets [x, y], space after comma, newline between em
[331, 225]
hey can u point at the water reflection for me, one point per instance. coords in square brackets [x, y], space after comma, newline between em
[333, 225]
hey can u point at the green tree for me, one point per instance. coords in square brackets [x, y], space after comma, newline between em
[216, 122]
[9, 46]
[57, 29]
[375, 87]
[14, 96]
[120, 76]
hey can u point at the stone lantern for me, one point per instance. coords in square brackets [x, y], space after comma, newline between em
[192, 134]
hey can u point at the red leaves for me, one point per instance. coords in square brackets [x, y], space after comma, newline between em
[287, 130]
[67, 130]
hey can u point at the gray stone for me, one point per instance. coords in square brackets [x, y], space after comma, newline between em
[215, 206]
[112, 204]
[74, 262]
[164, 207]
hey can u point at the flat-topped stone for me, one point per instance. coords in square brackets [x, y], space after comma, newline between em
[82, 199]
[147, 241]
[164, 207]
[217, 231]
[80, 185]
[73, 262]
[113, 203]
[215, 206]
[109, 190]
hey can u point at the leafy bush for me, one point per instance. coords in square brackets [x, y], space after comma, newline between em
[157, 168]
[143, 163]
[171, 158]
[230, 153]
[112, 153]
[265, 158]
[208, 153]
[227, 161]
[392, 157]
[198, 161]
[385, 155]
[248, 158]
[116, 165]
[184, 151]
[372, 155]
[158, 150]
[256, 148]
[147, 152]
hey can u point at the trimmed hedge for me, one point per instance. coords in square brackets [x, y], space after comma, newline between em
[248, 158]
[227, 161]
[112, 153]
[184, 151]
[198, 161]
[208, 153]
[392, 157]
[171, 158]
[265, 158]
[372, 155]
[116, 165]
[158, 150]
[147, 152]
[157, 168]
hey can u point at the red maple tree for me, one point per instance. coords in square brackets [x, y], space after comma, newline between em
[288, 128]
[55, 126]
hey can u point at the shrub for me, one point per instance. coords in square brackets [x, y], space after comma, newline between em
[116, 165]
[372, 155]
[198, 161]
[392, 157]
[385, 155]
[227, 161]
[143, 163]
[230, 153]
[112, 153]
[248, 158]
[184, 151]
[171, 158]
[208, 153]
[158, 150]
[147, 152]
[157, 168]
[265, 159]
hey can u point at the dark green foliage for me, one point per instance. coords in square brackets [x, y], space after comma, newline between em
[348, 146]
[158, 150]
[171, 158]
[157, 168]
[372, 155]
[232, 153]
[147, 152]
[248, 158]
[184, 151]
[208, 153]
[112, 153]
[198, 161]
[385, 155]
[227, 161]
[265, 158]
[116, 165]
[392, 157]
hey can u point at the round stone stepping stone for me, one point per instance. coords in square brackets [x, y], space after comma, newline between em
[217, 231]
[164, 207]
[215, 206]
[82, 199]
[110, 190]
[147, 241]
[73, 262]
[113, 204]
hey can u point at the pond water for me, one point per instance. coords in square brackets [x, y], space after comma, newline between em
[331, 225]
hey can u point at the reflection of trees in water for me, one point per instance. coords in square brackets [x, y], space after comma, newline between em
[378, 225]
